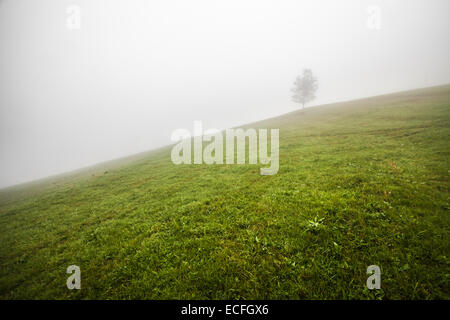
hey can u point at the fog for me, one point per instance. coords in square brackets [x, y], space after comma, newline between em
[134, 71]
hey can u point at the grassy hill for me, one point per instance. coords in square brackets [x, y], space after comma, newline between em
[360, 183]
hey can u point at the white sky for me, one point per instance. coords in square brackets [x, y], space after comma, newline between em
[137, 70]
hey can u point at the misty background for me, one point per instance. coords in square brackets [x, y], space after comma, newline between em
[137, 70]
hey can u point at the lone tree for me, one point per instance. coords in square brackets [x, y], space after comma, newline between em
[305, 87]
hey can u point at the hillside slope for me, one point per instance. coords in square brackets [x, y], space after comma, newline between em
[360, 183]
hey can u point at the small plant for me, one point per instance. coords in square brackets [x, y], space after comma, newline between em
[394, 167]
[316, 223]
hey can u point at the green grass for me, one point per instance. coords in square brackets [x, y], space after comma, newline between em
[360, 183]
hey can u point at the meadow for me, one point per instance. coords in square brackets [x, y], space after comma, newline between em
[360, 183]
